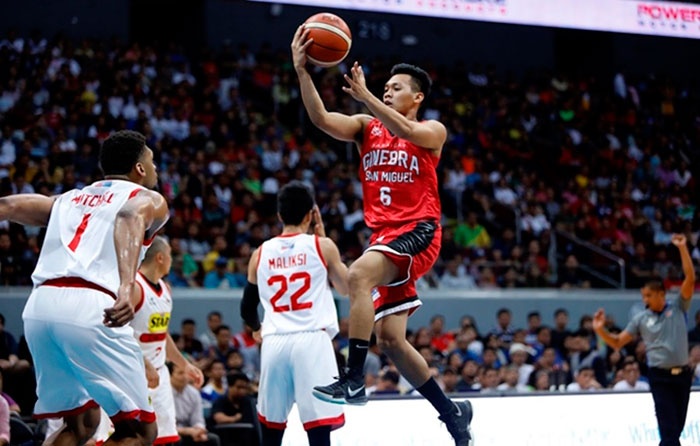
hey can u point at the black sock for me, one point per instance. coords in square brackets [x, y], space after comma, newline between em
[356, 357]
[272, 437]
[433, 393]
[319, 436]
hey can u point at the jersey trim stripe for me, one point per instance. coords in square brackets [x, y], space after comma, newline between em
[152, 337]
[148, 282]
[320, 253]
[259, 257]
[77, 282]
[141, 415]
[334, 423]
[288, 235]
[166, 440]
[143, 296]
[134, 192]
[65, 413]
[270, 424]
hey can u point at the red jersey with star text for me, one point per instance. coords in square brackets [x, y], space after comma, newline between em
[399, 182]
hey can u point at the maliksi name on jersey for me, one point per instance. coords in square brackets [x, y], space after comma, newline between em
[287, 262]
[382, 157]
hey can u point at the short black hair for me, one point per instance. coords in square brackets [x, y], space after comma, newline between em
[421, 79]
[502, 311]
[655, 285]
[221, 327]
[234, 377]
[533, 314]
[390, 375]
[294, 201]
[121, 151]
[584, 368]
[560, 311]
[213, 313]
[541, 329]
[188, 322]
[2, 319]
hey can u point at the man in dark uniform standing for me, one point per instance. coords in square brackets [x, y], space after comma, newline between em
[663, 327]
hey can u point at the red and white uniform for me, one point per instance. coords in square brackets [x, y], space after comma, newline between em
[79, 362]
[300, 321]
[150, 326]
[402, 207]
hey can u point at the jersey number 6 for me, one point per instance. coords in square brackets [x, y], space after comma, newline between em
[385, 195]
[294, 299]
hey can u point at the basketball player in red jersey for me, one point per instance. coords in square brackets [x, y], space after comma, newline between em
[398, 156]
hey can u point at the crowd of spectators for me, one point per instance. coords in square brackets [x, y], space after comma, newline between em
[604, 159]
[563, 356]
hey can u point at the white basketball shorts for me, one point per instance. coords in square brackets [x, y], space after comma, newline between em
[79, 362]
[291, 365]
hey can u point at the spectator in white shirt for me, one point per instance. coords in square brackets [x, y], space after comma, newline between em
[518, 356]
[504, 194]
[631, 381]
[585, 381]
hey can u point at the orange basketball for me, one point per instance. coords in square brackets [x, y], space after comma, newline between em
[332, 39]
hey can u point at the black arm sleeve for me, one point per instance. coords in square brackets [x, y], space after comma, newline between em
[249, 306]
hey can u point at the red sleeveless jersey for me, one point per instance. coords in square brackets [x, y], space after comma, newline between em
[399, 182]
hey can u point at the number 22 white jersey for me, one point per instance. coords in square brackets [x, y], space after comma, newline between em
[293, 285]
[79, 238]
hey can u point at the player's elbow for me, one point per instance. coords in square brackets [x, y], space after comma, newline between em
[319, 118]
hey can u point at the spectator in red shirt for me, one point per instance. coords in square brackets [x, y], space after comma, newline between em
[440, 340]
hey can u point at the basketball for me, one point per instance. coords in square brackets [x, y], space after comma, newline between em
[332, 39]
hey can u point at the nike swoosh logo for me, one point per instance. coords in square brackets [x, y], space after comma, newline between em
[356, 391]
[459, 411]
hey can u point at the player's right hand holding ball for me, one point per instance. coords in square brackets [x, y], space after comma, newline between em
[300, 43]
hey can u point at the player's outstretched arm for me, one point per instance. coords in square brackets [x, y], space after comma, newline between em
[614, 340]
[339, 126]
[688, 285]
[428, 134]
[26, 209]
[145, 213]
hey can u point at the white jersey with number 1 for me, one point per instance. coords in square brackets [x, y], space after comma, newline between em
[300, 321]
[293, 285]
[79, 238]
[80, 362]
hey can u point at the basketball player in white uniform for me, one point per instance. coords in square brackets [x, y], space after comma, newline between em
[289, 274]
[150, 326]
[85, 357]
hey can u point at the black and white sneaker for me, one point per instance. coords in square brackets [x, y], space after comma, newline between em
[346, 390]
[458, 423]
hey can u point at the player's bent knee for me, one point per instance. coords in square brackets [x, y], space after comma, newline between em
[358, 280]
[390, 344]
